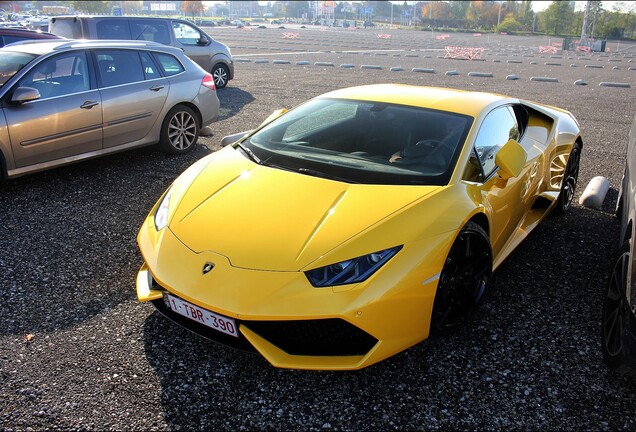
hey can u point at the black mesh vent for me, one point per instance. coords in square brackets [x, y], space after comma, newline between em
[322, 337]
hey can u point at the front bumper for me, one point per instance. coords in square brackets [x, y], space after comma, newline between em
[284, 318]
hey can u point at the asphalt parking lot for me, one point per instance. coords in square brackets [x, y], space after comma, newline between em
[78, 351]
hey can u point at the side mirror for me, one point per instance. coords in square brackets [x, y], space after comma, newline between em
[273, 116]
[233, 138]
[203, 41]
[510, 159]
[25, 94]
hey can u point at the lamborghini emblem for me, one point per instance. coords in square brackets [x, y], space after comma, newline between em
[207, 267]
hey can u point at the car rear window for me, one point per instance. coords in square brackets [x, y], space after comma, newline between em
[169, 64]
[6, 39]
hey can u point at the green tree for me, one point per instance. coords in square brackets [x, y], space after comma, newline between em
[192, 7]
[509, 25]
[93, 7]
[458, 9]
[482, 14]
[558, 18]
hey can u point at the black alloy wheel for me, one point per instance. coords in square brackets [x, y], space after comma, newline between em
[616, 317]
[570, 180]
[463, 282]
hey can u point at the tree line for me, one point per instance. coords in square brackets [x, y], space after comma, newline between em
[560, 18]
[510, 16]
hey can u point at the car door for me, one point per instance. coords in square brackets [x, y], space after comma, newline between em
[133, 93]
[67, 118]
[503, 199]
[194, 43]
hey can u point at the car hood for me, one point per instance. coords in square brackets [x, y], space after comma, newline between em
[269, 219]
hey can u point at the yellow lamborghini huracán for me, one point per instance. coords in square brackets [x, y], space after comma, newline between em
[353, 226]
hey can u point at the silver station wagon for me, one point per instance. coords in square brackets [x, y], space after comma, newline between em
[64, 101]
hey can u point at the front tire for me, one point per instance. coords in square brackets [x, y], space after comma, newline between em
[221, 75]
[179, 131]
[463, 281]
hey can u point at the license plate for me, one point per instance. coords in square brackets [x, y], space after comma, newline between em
[202, 316]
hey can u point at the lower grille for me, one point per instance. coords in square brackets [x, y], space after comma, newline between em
[321, 337]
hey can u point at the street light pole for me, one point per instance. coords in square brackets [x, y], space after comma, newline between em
[499, 16]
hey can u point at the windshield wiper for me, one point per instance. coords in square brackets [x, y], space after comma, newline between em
[321, 174]
[249, 153]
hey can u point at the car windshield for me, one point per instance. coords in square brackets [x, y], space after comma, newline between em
[11, 63]
[363, 142]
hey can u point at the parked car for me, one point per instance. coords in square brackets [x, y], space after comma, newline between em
[350, 228]
[619, 308]
[211, 55]
[11, 35]
[65, 101]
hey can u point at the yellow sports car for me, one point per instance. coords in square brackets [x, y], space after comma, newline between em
[353, 226]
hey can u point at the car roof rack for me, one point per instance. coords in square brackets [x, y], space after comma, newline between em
[73, 43]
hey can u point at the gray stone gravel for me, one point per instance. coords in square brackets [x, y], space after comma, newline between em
[78, 352]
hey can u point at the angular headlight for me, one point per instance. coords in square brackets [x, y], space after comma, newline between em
[351, 271]
[161, 216]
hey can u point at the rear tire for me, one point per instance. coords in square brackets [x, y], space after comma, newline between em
[570, 180]
[463, 282]
[179, 131]
[221, 75]
[616, 318]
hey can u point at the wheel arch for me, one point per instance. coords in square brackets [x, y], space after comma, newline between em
[190, 105]
[627, 233]
[3, 167]
[579, 140]
[482, 220]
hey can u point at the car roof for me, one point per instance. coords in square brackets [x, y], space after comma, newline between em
[127, 17]
[28, 32]
[42, 46]
[444, 99]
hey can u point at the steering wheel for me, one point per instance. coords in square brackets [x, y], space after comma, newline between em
[431, 147]
[429, 151]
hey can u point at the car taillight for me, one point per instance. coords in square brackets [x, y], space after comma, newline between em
[208, 82]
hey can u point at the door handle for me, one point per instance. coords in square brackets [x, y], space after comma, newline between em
[89, 104]
[156, 87]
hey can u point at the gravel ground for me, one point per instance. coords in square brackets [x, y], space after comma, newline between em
[77, 351]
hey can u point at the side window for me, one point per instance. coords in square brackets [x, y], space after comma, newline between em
[113, 29]
[150, 70]
[116, 67]
[156, 31]
[59, 76]
[169, 64]
[186, 34]
[497, 128]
